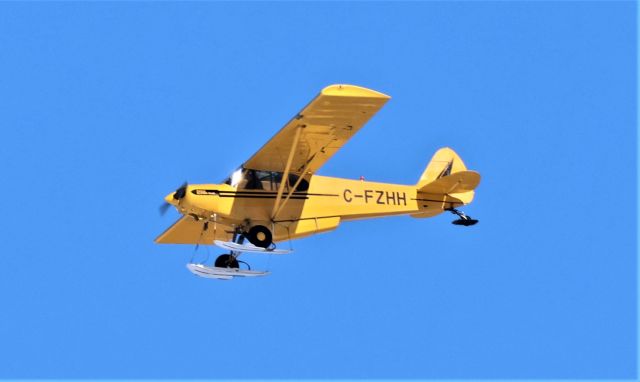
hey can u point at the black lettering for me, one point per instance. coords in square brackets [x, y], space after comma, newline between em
[391, 196]
[380, 195]
[403, 198]
[367, 195]
[344, 195]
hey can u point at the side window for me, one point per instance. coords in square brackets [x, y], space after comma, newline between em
[302, 186]
[276, 178]
[247, 179]
[266, 180]
[253, 180]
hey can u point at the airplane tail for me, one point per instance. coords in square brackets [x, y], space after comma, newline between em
[446, 182]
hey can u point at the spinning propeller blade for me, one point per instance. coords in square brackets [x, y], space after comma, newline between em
[181, 191]
[164, 207]
[177, 195]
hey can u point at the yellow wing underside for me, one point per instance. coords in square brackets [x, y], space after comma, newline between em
[188, 231]
[326, 123]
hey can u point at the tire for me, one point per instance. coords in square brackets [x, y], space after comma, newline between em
[465, 222]
[226, 261]
[260, 236]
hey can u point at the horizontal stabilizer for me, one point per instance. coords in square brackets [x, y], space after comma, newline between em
[462, 181]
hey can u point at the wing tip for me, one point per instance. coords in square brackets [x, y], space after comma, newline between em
[346, 90]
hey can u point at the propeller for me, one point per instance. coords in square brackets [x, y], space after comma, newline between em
[164, 207]
[181, 191]
[178, 195]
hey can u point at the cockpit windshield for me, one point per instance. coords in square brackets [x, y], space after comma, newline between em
[248, 179]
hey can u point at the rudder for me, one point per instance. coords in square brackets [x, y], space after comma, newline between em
[443, 163]
[447, 180]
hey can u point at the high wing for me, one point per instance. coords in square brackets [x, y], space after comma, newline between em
[319, 130]
[188, 231]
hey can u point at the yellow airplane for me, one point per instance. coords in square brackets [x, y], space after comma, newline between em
[276, 196]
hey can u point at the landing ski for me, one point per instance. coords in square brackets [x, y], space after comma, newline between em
[235, 247]
[222, 273]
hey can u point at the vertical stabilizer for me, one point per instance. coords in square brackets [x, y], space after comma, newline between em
[444, 163]
[445, 183]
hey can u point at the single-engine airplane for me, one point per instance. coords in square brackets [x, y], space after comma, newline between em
[276, 196]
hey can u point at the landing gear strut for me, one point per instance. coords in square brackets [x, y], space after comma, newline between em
[464, 219]
[258, 235]
[230, 260]
[227, 266]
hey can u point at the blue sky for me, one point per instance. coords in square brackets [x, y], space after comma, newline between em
[107, 107]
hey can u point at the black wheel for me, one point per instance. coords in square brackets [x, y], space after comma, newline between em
[226, 261]
[465, 222]
[260, 236]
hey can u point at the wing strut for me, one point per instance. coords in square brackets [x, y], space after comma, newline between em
[292, 190]
[287, 168]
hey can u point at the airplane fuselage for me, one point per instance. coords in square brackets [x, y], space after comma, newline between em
[321, 207]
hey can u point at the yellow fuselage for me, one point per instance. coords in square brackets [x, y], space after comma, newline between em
[326, 203]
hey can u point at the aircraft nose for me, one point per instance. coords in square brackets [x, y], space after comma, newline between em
[169, 198]
[174, 199]
[178, 196]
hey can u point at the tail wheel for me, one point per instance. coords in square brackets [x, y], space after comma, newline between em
[465, 222]
[226, 261]
[260, 236]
